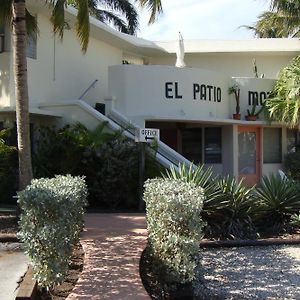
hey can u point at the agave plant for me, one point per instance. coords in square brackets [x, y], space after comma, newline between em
[232, 218]
[277, 198]
[201, 176]
[228, 203]
[197, 174]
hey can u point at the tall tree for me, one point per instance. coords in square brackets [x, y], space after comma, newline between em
[15, 13]
[283, 104]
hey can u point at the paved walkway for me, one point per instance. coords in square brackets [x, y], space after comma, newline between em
[113, 244]
[13, 265]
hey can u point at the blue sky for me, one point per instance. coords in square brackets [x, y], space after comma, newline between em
[203, 19]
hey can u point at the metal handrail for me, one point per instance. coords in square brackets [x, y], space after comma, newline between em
[92, 85]
[164, 150]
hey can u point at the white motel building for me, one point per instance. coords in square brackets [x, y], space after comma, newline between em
[124, 79]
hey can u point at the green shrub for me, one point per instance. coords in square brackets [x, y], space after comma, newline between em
[175, 227]
[51, 222]
[109, 161]
[292, 165]
[233, 209]
[227, 207]
[8, 169]
[277, 199]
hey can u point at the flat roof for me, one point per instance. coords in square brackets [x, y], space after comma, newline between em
[130, 43]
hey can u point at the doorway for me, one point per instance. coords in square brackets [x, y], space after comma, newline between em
[249, 154]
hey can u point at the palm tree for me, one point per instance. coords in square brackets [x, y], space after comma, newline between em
[14, 12]
[272, 25]
[282, 21]
[283, 104]
[121, 14]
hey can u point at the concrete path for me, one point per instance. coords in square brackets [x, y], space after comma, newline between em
[113, 244]
[13, 265]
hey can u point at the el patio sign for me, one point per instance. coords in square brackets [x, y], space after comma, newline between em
[146, 135]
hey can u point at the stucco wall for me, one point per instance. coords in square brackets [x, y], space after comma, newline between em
[5, 79]
[62, 72]
[168, 92]
[233, 64]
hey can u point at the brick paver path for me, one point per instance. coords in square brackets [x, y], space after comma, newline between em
[113, 244]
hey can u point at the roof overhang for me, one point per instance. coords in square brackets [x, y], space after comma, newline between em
[133, 44]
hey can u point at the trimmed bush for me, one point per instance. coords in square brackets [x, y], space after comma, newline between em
[51, 222]
[175, 227]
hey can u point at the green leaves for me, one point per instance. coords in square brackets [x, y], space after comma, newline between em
[283, 105]
[50, 223]
[175, 227]
[278, 197]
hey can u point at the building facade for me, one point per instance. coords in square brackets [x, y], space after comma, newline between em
[138, 80]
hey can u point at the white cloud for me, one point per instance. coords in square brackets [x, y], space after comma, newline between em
[201, 19]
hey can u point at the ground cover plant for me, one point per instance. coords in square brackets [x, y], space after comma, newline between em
[108, 160]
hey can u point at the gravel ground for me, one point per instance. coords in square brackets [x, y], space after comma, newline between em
[271, 272]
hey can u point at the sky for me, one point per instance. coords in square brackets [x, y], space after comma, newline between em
[203, 19]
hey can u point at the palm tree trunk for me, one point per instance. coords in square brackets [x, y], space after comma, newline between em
[21, 92]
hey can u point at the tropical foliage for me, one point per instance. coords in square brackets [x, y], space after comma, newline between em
[233, 210]
[283, 104]
[283, 20]
[278, 198]
[8, 169]
[292, 165]
[109, 161]
[15, 14]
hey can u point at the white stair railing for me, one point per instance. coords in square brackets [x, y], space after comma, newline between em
[164, 152]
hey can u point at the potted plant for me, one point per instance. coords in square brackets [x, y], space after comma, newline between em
[253, 114]
[235, 89]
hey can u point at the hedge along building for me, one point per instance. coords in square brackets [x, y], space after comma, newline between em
[136, 80]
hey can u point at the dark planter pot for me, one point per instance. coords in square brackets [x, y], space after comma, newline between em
[251, 118]
[236, 116]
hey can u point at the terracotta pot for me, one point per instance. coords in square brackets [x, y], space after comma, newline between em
[236, 116]
[251, 118]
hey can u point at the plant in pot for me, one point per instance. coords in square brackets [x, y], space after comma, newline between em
[252, 115]
[235, 90]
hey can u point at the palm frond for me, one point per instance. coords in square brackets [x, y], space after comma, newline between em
[58, 16]
[154, 6]
[83, 24]
[123, 8]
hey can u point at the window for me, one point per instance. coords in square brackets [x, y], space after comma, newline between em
[272, 145]
[192, 144]
[31, 46]
[202, 144]
[213, 145]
